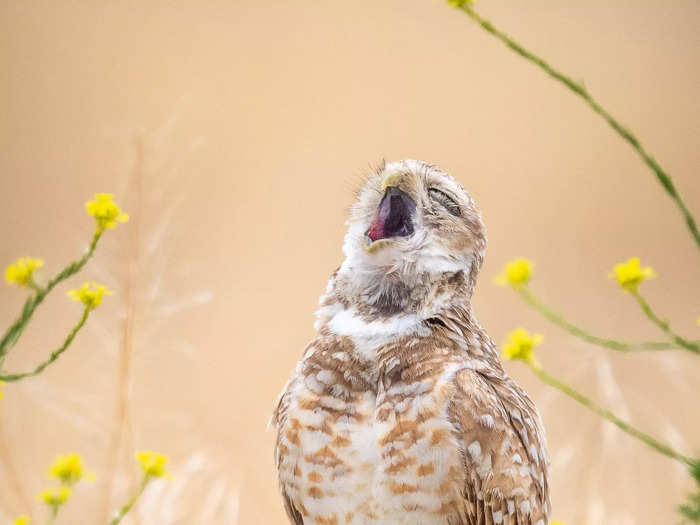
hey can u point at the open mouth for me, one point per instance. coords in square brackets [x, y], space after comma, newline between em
[394, 216]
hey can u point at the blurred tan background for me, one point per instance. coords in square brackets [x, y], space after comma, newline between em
[234, 132]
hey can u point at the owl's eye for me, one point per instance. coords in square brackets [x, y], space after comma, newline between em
[446, 201]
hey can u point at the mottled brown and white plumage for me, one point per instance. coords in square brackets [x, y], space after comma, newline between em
[399, 411]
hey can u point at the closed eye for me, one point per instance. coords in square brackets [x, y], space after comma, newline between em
[445, 200]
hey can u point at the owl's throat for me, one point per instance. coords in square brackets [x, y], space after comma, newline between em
[394, 216]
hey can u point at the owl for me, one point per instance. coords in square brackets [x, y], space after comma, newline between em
[399, 411]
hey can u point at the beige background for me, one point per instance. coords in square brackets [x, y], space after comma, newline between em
[234, 133]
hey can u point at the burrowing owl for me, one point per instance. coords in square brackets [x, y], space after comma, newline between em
[399, 411]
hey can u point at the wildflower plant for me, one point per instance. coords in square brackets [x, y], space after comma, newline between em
[521, 346]
[90, 294]
[55, 498]
[152, 466]
[22, 273]
[106, 212]
[69, 469]
[630, 274]
[516, 273]
[467, 7]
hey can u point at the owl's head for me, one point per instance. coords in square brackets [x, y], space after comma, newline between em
[411, 225]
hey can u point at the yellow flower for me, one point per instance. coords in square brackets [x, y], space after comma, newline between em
[629, 274]
[20, 272]
[1, 394]
[106, 212]
[152, 463]
[521, 345]
[698, 321]
[55, 497]
[90, 294]
[69, 469]
[516, 273]
[557, 522]
[22, 520]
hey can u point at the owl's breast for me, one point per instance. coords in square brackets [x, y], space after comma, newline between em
[358, 455]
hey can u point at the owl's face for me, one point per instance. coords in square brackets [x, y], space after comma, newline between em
[412, 219]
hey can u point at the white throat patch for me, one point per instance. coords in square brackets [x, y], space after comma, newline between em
[370, 335]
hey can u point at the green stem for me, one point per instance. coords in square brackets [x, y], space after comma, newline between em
[13, 333]
[559, 320]
[680, 341]
[53, 514]
[54, 355]
[578, 88]
[607, 414]
[129, 504]
[35, 286]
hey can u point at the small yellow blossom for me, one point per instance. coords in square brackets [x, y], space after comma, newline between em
[69, 469]
[521, 345]
[20, 272]
[698, 321]
[90, 294]
[153, 464]
[106, 212]
[556, 522]
[22, 520]
[629, 274]
[516, 273]
[1, 394]
[55, 497]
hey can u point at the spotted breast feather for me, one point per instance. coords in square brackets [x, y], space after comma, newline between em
[429, 437]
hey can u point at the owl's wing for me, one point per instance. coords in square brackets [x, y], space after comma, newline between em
[504, 451]
[279, 417]
[293, 514]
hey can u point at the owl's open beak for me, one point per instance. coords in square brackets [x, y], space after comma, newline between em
[394, 216]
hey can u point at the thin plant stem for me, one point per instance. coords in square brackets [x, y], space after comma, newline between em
[664, 325]
[578, 88]
[121, 434]
[662, 448]
[35, 286]
[559, 320]
[129, 504]
[12, 335]
[54, 355]
[53, 514]
[8, 462]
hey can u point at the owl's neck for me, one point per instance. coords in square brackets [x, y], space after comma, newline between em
[380, 292]
[441, 307]
[355, 302]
